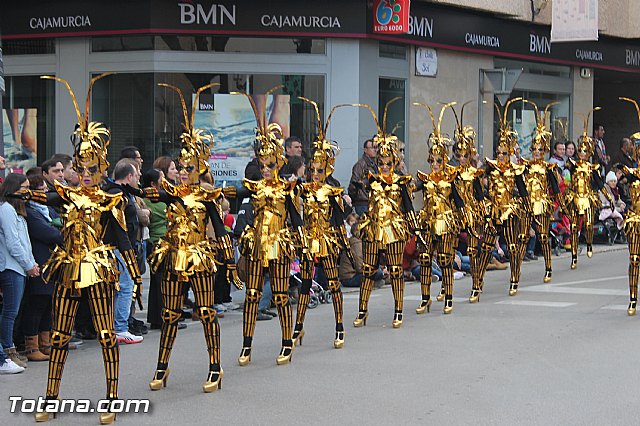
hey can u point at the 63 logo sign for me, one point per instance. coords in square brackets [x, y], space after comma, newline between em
[391, 16]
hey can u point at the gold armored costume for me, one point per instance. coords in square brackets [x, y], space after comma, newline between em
[185, 255]
[539, 177]
[93, 226]
[386, 225]
[324, 231]
[439, 218]
[503, 207]
[581, 197]
[269, 244]
[632, 219]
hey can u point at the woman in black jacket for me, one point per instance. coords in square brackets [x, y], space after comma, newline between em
[36, 319]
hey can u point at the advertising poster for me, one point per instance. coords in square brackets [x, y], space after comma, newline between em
[232, 122]
[524, 122]
[20, 129]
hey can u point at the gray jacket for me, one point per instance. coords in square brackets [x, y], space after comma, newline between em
[15, 246]
[359, 179]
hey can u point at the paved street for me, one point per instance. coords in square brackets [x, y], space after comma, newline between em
[562, 354]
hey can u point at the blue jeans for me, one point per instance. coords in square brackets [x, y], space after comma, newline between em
[357, 279]
[123, 297]
[265, 300]
[12, 285]
[360, 210]
[531, 245]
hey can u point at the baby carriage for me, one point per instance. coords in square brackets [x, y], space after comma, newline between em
[317, 293]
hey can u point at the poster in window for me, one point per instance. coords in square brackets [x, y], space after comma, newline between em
[20, 129]
[233, 123]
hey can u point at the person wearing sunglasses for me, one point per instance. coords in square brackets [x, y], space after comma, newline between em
[93, 226]
[387, 224]
[440, 216]
[540, 177]
[581, 197]
[505, 210]
[469, 186]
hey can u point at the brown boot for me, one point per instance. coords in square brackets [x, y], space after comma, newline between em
[44, 343]
[498, 265]
[33, 352]
[13, 356]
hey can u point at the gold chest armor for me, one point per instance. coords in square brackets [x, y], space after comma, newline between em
[384, 222]
[321, 238]
[438, 212]
[501, 187]
[580, 193]
[536, 183]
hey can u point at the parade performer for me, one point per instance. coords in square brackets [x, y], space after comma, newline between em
[582, 194]
[539, 177]
[93, 227]
[324, 228]
[439, 218]
[632, 219]
[185, 255]
[504, 177]
[269, 244]
[469, 186]
[386, 225]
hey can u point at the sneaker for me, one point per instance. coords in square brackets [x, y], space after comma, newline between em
[268, 312]
[230, 306]
[220, 308]
[128, 338]
[75, 341]
[182, 326]
[457, 275]
[530, 256]
[10, 367]
[262, 316]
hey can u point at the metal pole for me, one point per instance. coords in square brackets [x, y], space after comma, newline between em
[480, 115]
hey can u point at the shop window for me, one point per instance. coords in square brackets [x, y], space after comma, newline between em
[392, 51]
[209, 44]
[28, 122]
[390, 88]
[28, 47]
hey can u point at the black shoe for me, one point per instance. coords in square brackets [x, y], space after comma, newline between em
[268, 312]
[182, 326]
[185, 315]
[86, 335]
[189, 303]
[264, 317]
[135, 321]
[155, 326]
[530, 256]
[142, 329]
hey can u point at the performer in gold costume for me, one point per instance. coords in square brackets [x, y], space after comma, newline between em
[93, 226]
[503, 207]
[439, 218]
[539, 177]
[632, 219]
[324, 229]
[185, 254]
[469, 187]
[386, 225]
[269, 244]
[582, 194]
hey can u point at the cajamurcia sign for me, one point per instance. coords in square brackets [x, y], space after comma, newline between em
[46, 23]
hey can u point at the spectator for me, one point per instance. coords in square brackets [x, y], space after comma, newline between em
[294, 169]
[52, 171]
[36, 310]
[124, 173]
[570, 151]
[168, 167]
[157, 229]
[462, 262]
[558, 156]
[600, 153]
[531, 246]
[293, 147]
[16, 260]
[349, 275]
[623, 155]
[69, 175]
[3, 166]
[359, 176]
[222, 286]
[609, 211]
[133, 153]
[623, 186]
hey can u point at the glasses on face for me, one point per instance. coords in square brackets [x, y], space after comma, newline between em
[499, 153]
[313, 170]
[91, 169]
[269, 166]
[462, 155]
[190, 168]
[385, 163]
[434, 160]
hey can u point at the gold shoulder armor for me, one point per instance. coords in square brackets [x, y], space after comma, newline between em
[519, 168]
[404, 179]
[478, 172]
[493, 163]
[170, 188]
[251, 185]
[422, 176]
[117, 204]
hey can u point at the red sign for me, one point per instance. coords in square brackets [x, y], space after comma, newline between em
[391, 16]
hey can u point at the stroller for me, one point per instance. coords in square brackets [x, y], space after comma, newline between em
[317, 293]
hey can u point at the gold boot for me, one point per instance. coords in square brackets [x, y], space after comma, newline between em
[631, 311]
[475, 296]
[440, 297]
[298, 335]
[574, 262]
[361, 319]
[589, 250]
[285, 355]
[547, 276]
[107, 418]
[513, 289]
[213, 385]
[44, 416]
[159, 382]
[338, 343]
[448, 305]
[425, 306]
[245, 356]
[397, 320]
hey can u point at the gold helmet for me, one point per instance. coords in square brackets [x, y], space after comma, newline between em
[324, 151]
[507, 137]
[635, 138]
[464, 140]
[542, 135]
[269, 143]
[196, 143]
[437, 142]
[90, 139]
[585, 142]
[387, 143]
